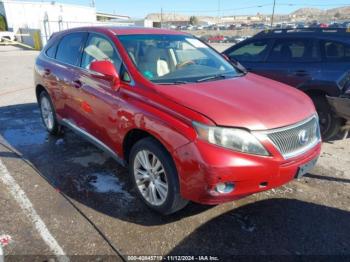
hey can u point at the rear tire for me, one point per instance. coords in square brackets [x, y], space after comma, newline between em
[330, 124]
[156, 183]
[48, 114]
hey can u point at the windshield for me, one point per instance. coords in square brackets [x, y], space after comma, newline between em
[176, 59]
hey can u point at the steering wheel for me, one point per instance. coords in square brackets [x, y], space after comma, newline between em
[185, 63]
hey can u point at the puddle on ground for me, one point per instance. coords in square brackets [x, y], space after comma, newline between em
[107, 182]
[25, 136]
[93, 158]
[104, 182]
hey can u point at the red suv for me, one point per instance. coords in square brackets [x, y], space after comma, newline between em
[188, 123]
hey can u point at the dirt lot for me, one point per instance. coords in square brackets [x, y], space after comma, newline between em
[81, 202]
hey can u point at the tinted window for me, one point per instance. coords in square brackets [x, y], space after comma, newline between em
[99, 48]
[69, 48]
[335, 51]
[293, 50]
[51, 51]
[251, 52]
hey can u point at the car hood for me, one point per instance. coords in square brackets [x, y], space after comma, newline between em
[252, 102]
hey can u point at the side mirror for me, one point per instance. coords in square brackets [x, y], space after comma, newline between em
[107, 69]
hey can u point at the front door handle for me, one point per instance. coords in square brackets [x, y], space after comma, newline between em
[77, 83]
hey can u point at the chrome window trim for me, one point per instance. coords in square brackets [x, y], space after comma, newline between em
[55, 61]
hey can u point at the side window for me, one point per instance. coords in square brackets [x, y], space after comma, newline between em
[51, 51]
[99, 48]
[335, 51]
[251, 52]
[69, 48]
[293, 50]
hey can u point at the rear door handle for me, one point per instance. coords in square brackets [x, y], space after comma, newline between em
[47, 72]
[77, 83]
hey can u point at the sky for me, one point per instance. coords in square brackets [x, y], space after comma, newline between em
[140, 8]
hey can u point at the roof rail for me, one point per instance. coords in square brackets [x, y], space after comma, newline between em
[305, 30]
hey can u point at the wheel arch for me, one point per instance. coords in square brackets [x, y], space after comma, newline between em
[315, 92]
[38, 90]
[135, 135]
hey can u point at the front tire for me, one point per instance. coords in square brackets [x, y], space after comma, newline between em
[155, 177]
[48, 114]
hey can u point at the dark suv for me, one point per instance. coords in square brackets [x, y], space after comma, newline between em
[316, 61]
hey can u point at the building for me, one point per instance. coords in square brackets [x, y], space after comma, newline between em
[44, 18]
[108, 17]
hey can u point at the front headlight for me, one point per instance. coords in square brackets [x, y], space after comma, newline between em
[231, 138]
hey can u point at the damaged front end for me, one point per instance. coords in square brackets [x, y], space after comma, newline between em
[341, 105]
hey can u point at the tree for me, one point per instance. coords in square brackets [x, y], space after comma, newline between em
[337, 15]
[194, 20]
[3, 26]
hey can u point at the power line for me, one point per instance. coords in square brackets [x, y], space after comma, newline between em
[255, 6]
[224, 10]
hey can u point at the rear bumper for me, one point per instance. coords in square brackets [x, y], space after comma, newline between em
[201, 166]
[340, 105]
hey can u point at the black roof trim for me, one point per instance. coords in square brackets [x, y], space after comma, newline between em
[274, 32]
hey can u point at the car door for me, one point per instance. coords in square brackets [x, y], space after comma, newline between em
[49, 72]
[68, 56]
[335, 62]
[293, 61]
[251, 54]
[99, 100]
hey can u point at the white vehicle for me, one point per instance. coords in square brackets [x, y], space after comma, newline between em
[7, 35]
[242, 38]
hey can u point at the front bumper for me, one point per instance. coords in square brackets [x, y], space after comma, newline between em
[202, 165]
[340, 105]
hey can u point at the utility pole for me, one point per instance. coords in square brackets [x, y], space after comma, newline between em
[219, 9]
[273, 12]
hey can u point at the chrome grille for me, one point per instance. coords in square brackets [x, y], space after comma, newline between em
[296, 139]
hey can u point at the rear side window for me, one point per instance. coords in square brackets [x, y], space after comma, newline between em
[251, 52]
[51, 51]
[68, 50]
[335, 51]
[293, 50]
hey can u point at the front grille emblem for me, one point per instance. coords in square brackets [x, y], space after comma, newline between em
[303, 137]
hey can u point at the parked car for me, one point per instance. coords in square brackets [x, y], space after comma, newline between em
[6, 35]
[189, 124]
[217, 39]
[315, 61]
[323, 25]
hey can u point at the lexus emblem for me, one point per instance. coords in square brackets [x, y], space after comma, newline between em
[303, 137]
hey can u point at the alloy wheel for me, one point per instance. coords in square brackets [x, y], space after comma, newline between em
[47, 113]
[150, 177]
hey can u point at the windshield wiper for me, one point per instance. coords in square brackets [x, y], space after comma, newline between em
[172, 83]
[221, 76]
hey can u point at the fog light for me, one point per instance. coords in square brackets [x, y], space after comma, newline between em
[224, 188]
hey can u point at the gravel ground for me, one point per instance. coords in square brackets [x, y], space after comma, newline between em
[86, 201]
